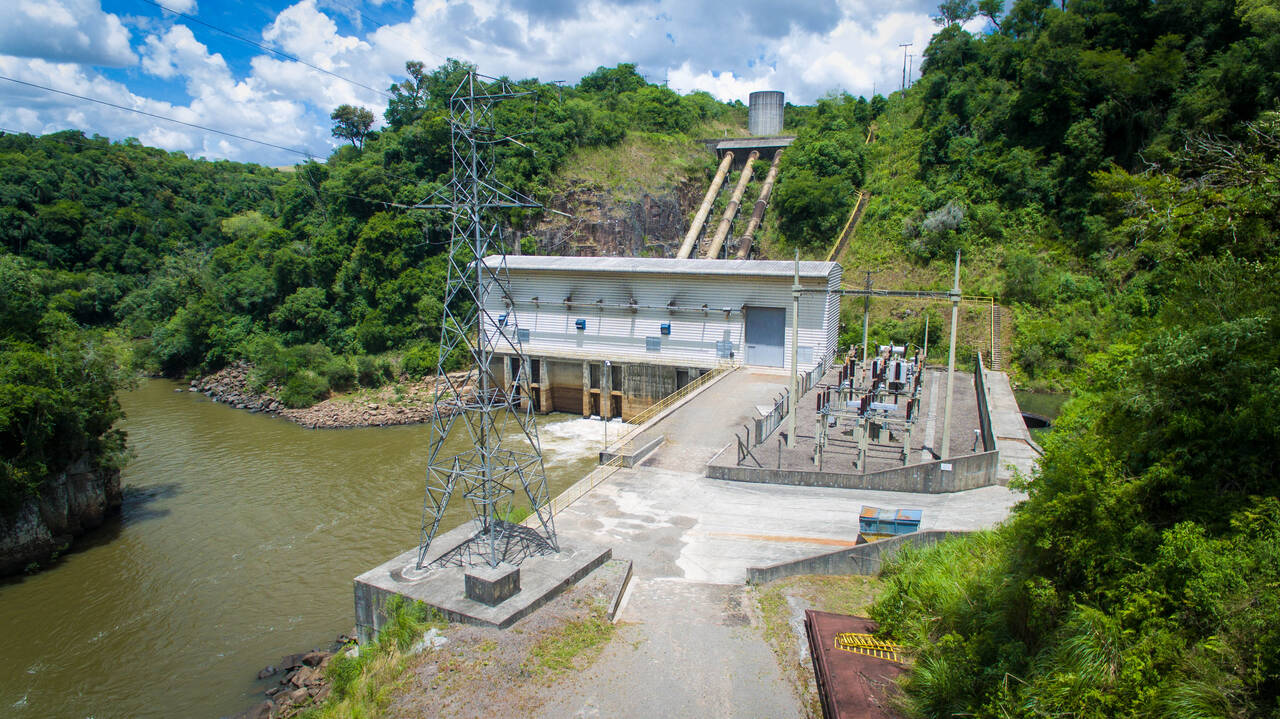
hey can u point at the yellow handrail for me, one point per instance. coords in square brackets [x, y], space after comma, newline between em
[841, 238]
[644, 415]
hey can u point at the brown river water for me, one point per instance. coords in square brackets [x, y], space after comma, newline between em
[237, 543]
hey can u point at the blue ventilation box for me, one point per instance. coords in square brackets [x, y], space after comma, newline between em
[580, 324]
[665, 328]
[502, 320]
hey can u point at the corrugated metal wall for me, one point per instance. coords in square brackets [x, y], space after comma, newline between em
[613, 330]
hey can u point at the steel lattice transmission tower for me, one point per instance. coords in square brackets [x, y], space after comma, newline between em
[492, 468]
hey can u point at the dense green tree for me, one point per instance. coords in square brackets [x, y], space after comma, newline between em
[352, 123]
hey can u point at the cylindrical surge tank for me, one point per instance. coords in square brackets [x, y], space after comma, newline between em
[764, 114]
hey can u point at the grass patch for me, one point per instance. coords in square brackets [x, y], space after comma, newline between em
[362, 686]
[839, 594]
[643, 163]
[571, 646]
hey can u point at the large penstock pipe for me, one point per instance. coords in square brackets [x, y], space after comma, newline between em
[726, 221]
[744, 245]
[686, 248]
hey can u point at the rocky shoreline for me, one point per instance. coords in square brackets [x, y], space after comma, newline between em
[405, 402]
[302, 683]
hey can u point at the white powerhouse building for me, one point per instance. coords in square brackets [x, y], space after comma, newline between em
[658, 322]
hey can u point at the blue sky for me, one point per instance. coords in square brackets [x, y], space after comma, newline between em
[133, 53]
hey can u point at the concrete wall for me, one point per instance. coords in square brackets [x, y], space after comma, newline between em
[953, 475]
[984, 407]
[865, 559]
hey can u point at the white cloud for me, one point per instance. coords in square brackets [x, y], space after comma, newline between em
[65, 30]
[186, 6]
[805, 49]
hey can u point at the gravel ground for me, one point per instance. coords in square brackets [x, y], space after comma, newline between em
[485, 672]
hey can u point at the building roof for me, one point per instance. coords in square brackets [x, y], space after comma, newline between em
[665, 266]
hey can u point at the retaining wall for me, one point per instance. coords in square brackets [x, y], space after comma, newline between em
[952, 475]
[863, 559]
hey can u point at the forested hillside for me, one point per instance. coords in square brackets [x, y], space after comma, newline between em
[1118, 166]
[317, 274]
[1110, 170]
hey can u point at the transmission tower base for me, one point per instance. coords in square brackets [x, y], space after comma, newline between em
[541, 579]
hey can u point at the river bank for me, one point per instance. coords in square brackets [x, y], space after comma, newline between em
[68, 504]
[236, 543]
[398, 403]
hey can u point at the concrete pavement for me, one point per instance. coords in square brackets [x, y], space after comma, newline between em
[687, 643]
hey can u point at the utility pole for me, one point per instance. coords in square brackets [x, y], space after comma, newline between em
[795, 351]
[951, 361]
[926, 342]
[866, 319]
[904, 47]
[910, 70]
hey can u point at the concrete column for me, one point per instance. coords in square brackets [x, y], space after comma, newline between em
[866, 321]
[795, 356]
[606, 391]
[951, 361]
[586, 389]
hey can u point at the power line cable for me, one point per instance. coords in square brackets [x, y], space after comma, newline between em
[265, 48]
[274, 178]
[383, 26]
[295, 151]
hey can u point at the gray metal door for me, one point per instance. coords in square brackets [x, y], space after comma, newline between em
[766, 335]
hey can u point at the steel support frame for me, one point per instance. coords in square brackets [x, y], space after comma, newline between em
[504, 455]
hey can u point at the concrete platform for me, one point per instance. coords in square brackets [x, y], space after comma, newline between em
[682, 525]
[842, 446]
[541, 579]
[1018, 452]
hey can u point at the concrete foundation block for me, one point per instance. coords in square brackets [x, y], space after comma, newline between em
[492, 585]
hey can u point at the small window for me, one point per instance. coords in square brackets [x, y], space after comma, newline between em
[724, 348]
[653, 344]
[804, 355]
[522, 335]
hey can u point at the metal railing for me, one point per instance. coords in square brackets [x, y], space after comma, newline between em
[623, 444]
[767, 424]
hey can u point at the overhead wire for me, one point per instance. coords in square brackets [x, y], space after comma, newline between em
[382, 26]
[233, 135]
[304, 153]
[276, 178]
[266, 48]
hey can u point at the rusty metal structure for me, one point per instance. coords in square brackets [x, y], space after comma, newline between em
[503, 455]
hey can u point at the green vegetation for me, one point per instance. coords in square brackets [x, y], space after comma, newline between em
[573, 645]
[57, 386]
[362, 686]
[309, 274]
[840, 594]
[1136, 182]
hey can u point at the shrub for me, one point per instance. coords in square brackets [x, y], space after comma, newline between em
[372, 371]
[339, 373]
[304, 389]
[420, 361]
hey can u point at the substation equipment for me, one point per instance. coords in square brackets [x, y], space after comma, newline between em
[877, 400]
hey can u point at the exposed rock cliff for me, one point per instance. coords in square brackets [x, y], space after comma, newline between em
[651, 225]
[69, 504]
